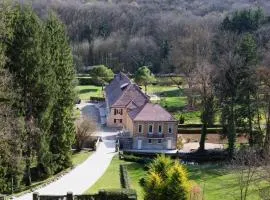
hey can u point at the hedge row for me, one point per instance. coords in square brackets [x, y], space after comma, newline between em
[198, 126]
[131, 158]
[124, 177]
[85, 81]
[97, 99]
[111, 194]
[117, 194]
[217, 130]
[198, 130]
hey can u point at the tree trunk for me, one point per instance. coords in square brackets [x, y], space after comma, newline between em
[145, 89]
[267, 135]
[28, 167]
[231, 130]
[203, 137]
[251, 136]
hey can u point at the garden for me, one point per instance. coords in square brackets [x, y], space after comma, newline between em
[214, 180]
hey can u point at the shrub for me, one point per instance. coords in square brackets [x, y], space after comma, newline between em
[196, 192]
[97, 99]
[85, 81]
[179, 144]
[124, 177]
[132, 158]
[142, 182]
[166, 177]
[181, 119]
[117, 194]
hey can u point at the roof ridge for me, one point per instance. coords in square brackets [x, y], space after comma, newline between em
[141, 108]
[129, 85]
[139, 89]
[163, 109]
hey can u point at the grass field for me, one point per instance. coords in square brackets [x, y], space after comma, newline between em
[85, 91]
[172, 99]
[216, 181]
[79, 157]
[110, 179]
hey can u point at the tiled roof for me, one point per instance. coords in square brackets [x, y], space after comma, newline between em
[131, 93]
[114, 90]
[150, 112]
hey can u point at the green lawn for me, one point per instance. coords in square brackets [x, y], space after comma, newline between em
[85, 91]
[79, 157]
[110, 179]
[216, 181]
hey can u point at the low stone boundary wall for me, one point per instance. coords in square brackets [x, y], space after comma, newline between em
[117, 194]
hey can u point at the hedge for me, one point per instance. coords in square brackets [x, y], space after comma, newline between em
[124, 177]
[198, 130]
[85, 81]
[112, 194]
[211, 130]
[131, 158]
[198, 126]
[117, 194]
[97, 99]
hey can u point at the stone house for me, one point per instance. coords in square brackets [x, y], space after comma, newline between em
[146, 125]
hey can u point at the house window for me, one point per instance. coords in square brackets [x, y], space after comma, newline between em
[160, 128]
[140, 128]
[120, 120]
[114, 121]
[150, 141]
[118, 111]
[170, 128]
[150, 128]
[159, 141]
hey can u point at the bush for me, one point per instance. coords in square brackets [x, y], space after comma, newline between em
[142, 182]
[181, 119]
[179, 144]
[117, 194]
[124, 177]
[85, 81]
[97, 99]
[166, 177]
[132, 158]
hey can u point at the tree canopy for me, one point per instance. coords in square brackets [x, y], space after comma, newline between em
[101, 75]
[144, 76]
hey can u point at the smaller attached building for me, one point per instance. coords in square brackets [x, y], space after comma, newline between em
[153, 128]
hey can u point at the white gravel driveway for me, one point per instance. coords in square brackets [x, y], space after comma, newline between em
[85, 175]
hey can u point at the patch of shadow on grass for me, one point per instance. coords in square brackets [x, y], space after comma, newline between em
[87, 91]
[201, 172]
[171, 93]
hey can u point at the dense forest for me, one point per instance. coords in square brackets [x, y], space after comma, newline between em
[125, 35]
[36, 97]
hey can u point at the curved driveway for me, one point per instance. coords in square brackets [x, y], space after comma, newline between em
[79, 179]
[83, 176]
